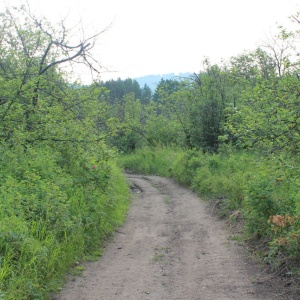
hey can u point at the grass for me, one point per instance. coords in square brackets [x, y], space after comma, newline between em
[158, 257]
[53, 216]
[76, 271]
[155, 161]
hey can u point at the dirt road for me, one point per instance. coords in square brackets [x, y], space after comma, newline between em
[169, 248]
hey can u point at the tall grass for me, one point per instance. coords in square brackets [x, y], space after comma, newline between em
[210, 175]
[155, 161]
[52, 215]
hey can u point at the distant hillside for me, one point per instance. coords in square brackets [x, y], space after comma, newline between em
[153, 80]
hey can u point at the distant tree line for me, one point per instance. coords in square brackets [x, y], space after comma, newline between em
[251, 100]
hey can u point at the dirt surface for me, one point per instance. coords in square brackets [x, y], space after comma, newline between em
[172, 248]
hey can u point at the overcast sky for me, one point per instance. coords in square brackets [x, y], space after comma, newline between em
[169, 36]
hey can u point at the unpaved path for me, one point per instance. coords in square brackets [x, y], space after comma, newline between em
[169, 248]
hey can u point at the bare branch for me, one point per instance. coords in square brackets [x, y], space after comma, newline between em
[80, 52]
[71, 52]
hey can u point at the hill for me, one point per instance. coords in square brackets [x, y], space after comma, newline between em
[153, 80]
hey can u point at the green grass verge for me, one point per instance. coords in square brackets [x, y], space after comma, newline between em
[154, 161]
[53, 215]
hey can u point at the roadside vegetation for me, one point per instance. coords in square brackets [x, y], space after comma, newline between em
[231, 133]
[61, 194]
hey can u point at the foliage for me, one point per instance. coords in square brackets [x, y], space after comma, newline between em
[217, 176]
[237, 125]
[230, 133]
[152, 161]
[194, 107]
[61, 193]
[120, 88]
[53, 214]
[269, 119]
[285, 246]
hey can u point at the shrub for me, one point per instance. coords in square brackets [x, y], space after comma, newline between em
[52, 214]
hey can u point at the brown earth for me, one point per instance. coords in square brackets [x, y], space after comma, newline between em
[170, 248]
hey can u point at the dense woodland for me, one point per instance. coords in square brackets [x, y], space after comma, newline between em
[230, 132]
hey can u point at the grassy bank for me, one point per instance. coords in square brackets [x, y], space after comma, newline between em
[263, 191]
[53, 213]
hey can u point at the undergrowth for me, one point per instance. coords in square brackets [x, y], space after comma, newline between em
[155, 161]
[53, 213]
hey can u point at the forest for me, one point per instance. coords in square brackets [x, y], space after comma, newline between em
[231, 133]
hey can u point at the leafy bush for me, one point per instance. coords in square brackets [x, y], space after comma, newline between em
[52, 214]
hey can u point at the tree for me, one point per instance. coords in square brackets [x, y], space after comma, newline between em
[267, 116]
[210, 93]
[270, 119]
[282, 48]
[128, 117]
[34, 90]
[168, 85]
[60, 190]
[119, 88]
[146, 94]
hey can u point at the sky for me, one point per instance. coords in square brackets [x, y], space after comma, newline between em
[168, 36]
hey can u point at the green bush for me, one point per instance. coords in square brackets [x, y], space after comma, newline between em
[52, 214]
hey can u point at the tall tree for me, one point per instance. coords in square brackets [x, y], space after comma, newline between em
[119, 88]
[146, 94]
[34, 90]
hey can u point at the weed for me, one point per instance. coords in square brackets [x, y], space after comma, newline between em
[158, 257]
[52, 215]
[77, 271]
